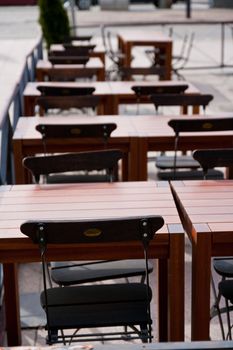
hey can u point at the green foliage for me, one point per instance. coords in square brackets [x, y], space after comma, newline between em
[54, 21]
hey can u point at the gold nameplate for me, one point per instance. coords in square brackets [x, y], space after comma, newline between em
[92, 232]
[207, 126]
[75, 131]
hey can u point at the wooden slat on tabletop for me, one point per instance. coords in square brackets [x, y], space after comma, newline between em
[206, 209]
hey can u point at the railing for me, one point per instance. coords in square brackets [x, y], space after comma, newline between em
[11, 112]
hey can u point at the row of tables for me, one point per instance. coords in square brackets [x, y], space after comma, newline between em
[135, 136]
[189, 204]
[112, 93]
[127, 40]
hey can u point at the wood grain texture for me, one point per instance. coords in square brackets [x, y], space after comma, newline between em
[206, 209]
[88, 201]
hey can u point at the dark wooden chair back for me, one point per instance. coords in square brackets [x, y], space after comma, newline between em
[200, 124]
[197, 125]
[69, 59]
[65, 91]
[70, 46]
[102, 131]
[211, 158]
[46, 103]
[147, 90]
[70, 50]
[82, 161]
[82, 38]
[43, 232]
[58, 302]
[71, 75]
[183, 100]
[127, 73]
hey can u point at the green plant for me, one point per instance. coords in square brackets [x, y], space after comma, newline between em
[54, 21]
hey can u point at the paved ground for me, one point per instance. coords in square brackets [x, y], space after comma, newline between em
[19, 31]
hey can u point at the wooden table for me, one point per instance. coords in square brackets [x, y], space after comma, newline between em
[154, 134]
[27, 141]
[135, 135]
[128, 39]
[111, 93]
[206, 209]
[78, 201]
[94, 66]
[197, 345]
[97, 52]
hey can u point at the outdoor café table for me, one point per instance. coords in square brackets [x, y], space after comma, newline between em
[28, 141]
[136, 135]
[206, 209]
[198, 345]
[102, 89]
[127, 39]
[91, 201]
[93, 66]
[154, 134]
[111, 93]
[97, 52]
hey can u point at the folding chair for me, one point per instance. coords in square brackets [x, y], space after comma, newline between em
[93, 306]
[114, 56]
[145, 91]
[191, 125]
[165, 162]
[77, 273]
[209, 159]
[179, 61]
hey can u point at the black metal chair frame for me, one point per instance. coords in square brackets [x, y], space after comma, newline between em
[43, 233]
[88, 161]
[197, 125]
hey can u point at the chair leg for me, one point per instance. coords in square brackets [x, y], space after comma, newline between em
[215, 309]
[229, 336]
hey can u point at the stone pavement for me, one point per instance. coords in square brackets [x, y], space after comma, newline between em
[19, 32]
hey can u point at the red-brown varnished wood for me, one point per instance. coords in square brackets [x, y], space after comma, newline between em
[206, 209]
[136, 136]
[94, 66]
[27, 141]
[130, 38]
[112, 93]
[88, 201]
[98, 51]
[156, 135]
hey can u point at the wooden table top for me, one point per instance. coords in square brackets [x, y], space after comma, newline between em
[101, 87]
[84, 201]
[125, 87]
[93, 62]
[208, 205]
[25, 128]
[143, 36]
[156, 126]
[107, 87]
[142, 126]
